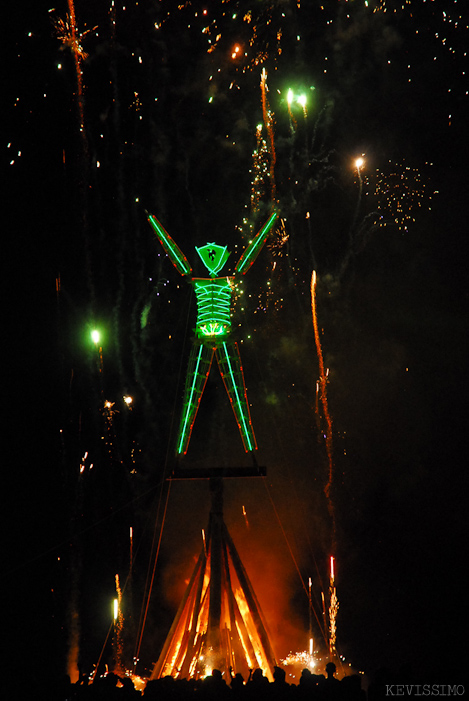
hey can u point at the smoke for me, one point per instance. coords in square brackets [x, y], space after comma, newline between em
[73, 628]
[74, 649]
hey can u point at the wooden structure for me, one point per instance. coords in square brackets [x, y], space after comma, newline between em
[219, 623]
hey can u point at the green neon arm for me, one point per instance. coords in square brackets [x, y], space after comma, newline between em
[255, 247]
[177, 257]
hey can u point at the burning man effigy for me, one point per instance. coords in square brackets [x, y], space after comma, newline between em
[213, 334]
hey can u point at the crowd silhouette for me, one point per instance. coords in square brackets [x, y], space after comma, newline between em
[382, 685]
[311, 687]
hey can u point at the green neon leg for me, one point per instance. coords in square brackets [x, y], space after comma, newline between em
[197, 373]
[229, 362]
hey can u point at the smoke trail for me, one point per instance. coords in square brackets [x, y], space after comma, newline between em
[73, 637]
[293, 124]
[351, 235]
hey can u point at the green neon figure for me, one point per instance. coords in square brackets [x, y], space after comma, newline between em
[213, 330]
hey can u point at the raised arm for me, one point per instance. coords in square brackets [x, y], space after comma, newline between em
[252, 251]
[177, 257]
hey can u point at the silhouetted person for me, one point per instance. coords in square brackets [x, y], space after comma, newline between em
[308, 685]
[257, 686]
[237, 682]
[129, 692]
[331, 687]
[279, 689]
[214, 686]
[105, 688]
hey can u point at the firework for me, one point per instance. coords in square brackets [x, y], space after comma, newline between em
[67, 32]
[400, 191]
[260, 169]
[118, 626]
[333, 609]
[322, 386]
[269, 122]
[303, 659]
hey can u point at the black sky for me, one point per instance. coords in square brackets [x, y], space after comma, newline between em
[392, 305]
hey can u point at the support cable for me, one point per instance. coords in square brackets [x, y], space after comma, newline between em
[149, 586]
[293, 557]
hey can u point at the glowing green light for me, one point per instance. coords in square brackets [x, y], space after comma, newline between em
[213, 329]
[213, 306]
[290, 96]
[231, 371]
[95, 336]
[178, 258]
[233, 386]
[302, 100]
[213, 257]
[251, 252]
[194, 394]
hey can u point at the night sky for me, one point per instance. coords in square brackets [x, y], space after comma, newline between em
[171, 101]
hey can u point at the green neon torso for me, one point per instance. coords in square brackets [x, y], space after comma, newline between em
[213, 306]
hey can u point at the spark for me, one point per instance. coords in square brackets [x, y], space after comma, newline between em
[245, 517]
[400, 191]
[304, 659]
[204, 542]
[83, 463]
[131, 549]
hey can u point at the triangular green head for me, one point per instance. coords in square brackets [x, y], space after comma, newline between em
[213, 257]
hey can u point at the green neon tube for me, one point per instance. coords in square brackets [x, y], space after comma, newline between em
[213, 306]
[185, 429]
[254, 248]
[235, 386]
[177, 257]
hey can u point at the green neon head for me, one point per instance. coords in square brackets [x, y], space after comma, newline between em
[213, 257]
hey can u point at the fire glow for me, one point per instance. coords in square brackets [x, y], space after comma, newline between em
[219, 623]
